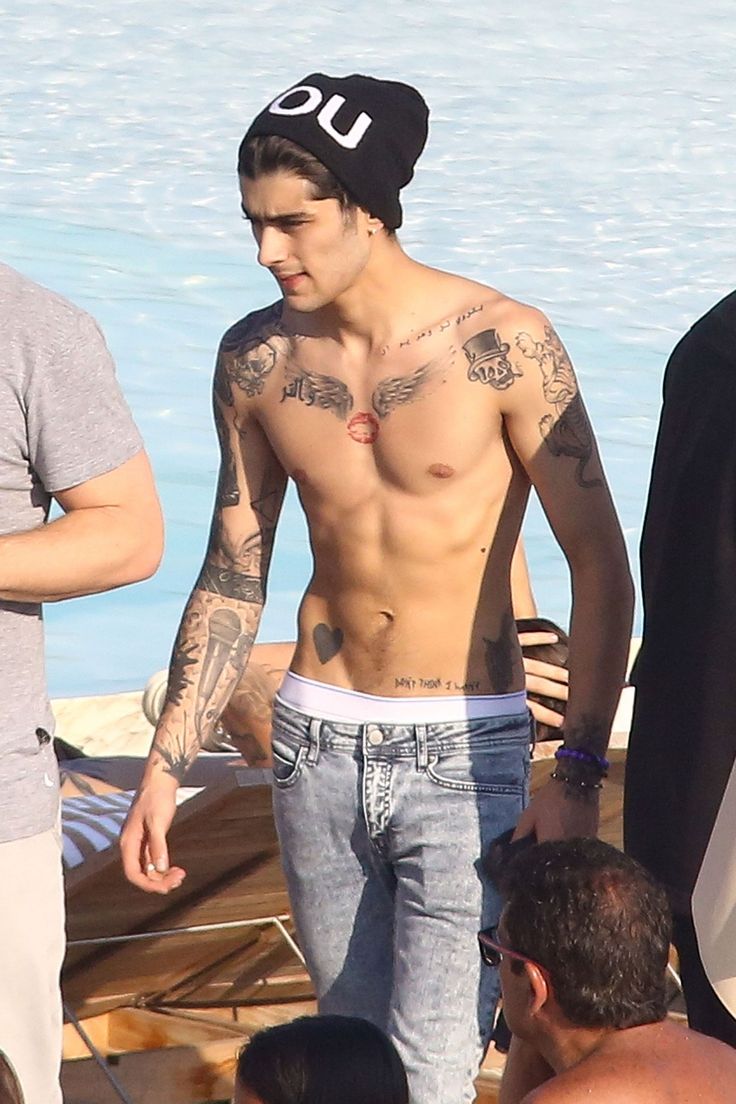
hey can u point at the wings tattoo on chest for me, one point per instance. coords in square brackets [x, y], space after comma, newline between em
[316, 389]
[332, 394]
[398, 390]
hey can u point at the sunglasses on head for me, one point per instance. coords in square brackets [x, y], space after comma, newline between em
[491, 951]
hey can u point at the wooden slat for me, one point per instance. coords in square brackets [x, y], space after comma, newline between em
[183, 1060]
[226, 840]
[186, 1075]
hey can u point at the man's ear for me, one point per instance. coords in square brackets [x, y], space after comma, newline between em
[373, 224]
[539, 990]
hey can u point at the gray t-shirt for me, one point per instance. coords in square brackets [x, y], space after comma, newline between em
[63, 420]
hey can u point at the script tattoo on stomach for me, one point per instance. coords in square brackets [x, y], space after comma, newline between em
[450, 686]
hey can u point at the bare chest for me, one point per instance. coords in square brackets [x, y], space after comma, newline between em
[418, 427]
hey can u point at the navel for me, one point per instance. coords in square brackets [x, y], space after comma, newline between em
[441, 471]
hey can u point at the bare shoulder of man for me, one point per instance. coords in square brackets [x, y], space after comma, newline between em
[249, 352]
[486, 327]
[574, 1087]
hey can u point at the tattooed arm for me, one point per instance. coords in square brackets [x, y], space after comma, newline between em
[543, 412]
[216, 632]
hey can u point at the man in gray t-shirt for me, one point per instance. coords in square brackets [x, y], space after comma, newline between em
[65, 433]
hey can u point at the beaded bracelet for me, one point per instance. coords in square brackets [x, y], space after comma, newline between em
[575, 781]
[588, 757]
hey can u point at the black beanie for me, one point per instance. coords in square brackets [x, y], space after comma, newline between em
[368, 132]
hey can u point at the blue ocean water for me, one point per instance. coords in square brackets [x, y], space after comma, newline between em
[581, 158]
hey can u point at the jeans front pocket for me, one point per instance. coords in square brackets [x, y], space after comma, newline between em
[289, 753]
[491, 763]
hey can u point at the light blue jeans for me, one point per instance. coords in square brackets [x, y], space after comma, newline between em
[382, 829]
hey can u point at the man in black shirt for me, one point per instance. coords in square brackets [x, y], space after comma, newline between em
[683, 737]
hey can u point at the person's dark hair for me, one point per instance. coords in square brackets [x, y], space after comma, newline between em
[598, 922]
[10, 1090]
[268, 153]
[323, 1060]
[555, 654]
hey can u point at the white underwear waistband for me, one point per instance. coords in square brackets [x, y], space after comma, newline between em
[333, 703]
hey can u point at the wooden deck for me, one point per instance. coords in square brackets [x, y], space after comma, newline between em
[169, 1009]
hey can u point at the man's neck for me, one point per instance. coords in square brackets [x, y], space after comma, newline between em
[564, 1045]
[381, 306]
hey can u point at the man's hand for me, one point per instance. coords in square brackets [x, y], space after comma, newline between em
[560, 810]
[143, 840]
[548, 680]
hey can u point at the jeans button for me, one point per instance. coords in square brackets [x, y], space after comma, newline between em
[375, 736]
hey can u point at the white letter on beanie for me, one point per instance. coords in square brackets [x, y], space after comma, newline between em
[312, 102]
[357, 130]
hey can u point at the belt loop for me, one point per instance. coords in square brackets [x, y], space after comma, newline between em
[420, 733]
[532, 730]
[315, 726]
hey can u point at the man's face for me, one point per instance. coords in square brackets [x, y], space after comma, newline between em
[314, 252]
[514, 986]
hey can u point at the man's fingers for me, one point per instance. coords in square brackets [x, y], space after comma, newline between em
[145, 856]
[552, 671]
[163, 883]
[528, 639]
[545, 688]
[132, 845]
[143, 874]
[543, 715]
[159, 883]
[157, 850]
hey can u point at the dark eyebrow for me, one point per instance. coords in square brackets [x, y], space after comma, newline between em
[290, 216]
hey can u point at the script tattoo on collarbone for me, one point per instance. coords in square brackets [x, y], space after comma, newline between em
[566, 432]
[488, 361]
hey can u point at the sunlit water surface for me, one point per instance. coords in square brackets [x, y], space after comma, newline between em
[581, 158]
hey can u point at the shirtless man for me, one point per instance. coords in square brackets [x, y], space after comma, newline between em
[582, 943]
[412, 409]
